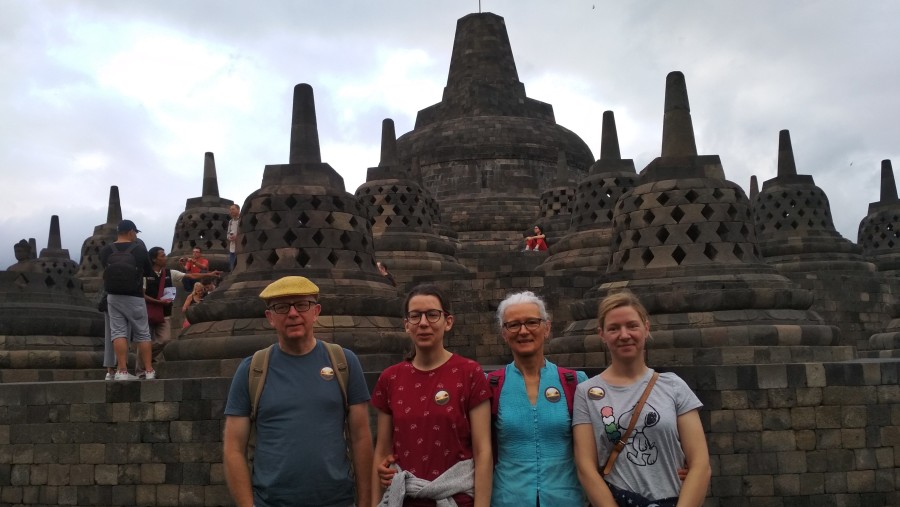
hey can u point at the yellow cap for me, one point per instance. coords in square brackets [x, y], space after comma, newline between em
[289, 286]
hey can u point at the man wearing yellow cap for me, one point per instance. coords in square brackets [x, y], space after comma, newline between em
[300, 456]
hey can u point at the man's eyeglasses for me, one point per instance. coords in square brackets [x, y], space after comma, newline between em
[300, 306]
[430, 315]
[515, 326]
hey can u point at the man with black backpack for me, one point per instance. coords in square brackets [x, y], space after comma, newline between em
[125, 264]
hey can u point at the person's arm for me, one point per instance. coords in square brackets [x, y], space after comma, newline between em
[696, 455]
[384, 442]
[361, 447]
[187, 302]
[234, 461]
[588, 468]
[480, 420]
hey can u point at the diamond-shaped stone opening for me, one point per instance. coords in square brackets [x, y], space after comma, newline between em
[722, 230]
[638, 201]
[49, 281]
[345, 239]
[710, 252]
[302, 258]
[663, 198]
[677, 214]
[794, 224]
[627, 221]
[364, 242]
[290, 202]
[329, 219]
[662, 235]
[333, 258]
[616, 182]
[648, 217]
[337, 202]
[405, 220]
[801, 212]
[594, 194]
[738, 251]
[744, 230]
[777, 226]
[358, 260]
[635, 237]
[315, 202]
[707, 211]
[353, 221]
[289, 237]
[263, 237]
[250, 259]
[625, 256]
[403, 198]
[718, 194]
[318, 237]
[678, 254]
[303, 219]
[387, 198]
[276, 218]
[272, 258]
[693, 232]
[609, 192]
[732, 211]
[609, 215]
[388, 220]
[691, 195]
[647, 256]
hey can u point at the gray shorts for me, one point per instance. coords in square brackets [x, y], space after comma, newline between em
[128, 313]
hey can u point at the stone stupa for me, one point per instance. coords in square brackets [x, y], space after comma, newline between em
[684, 242]
[301, 221]
[90, 272]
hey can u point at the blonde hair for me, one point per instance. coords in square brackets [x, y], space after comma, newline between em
[618, 300]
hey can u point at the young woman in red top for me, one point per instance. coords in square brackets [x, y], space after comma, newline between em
[433, 411]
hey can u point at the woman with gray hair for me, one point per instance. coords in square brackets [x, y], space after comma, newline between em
[531, 411]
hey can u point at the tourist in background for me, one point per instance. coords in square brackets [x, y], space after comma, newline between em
[433, 415]
[197, 263]
[537, 242]
[532, 419]
[667, 435]
[383, 269]
[234, 211]
[195, 297]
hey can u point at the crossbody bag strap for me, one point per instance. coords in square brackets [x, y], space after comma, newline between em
[162, 283]
[607, 468]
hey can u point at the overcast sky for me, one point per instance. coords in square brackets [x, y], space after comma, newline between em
[100, 93]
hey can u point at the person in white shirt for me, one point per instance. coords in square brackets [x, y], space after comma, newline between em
[235, 212]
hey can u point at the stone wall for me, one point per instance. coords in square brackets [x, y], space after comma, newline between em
[779, 435]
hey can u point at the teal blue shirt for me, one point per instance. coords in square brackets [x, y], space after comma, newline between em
[534, 444]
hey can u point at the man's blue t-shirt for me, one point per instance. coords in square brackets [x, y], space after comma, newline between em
[300, 455]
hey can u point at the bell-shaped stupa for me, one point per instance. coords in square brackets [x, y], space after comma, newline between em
[879, 231]
[50, 330]
[90, 271]
[796, 234]
[556, 203]
[301, 221]
[586, 248]
[204, 223]
[486, 150]
[403, 217]
[684, 242]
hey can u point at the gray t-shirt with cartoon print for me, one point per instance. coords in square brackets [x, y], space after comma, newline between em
[648, 465]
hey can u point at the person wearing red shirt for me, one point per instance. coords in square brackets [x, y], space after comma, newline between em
[433, 415]
[196, 264]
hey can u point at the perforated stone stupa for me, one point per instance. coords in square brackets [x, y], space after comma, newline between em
[46, 322]
[90, 271]
[403, 217]
[796, 234]
[301, 221]
[586, 247]
[684, 242]
[203, 223]
[556, 202]
[879, 230]
[487, 149]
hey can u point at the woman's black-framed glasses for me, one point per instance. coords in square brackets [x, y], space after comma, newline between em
[530, 324]
[300, 306]
[430, 315]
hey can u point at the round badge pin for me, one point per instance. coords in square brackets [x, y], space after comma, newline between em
[442, 397]
[596, 393]
[552, 394]
[326, 373]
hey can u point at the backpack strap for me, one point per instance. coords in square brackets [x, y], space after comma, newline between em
[339, 363]
[607, 468]
[495, 381]
[569, 380]
[259, 365]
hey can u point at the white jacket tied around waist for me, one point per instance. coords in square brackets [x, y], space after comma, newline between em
[460, 478]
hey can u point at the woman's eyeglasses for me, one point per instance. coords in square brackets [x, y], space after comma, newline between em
[300, 306]
[430, 315]
[515, 326]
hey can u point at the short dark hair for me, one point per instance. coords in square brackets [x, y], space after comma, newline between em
[427, 289]
[154, 252]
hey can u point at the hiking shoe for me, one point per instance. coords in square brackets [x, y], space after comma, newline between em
[124, 375]
[150, 375]
[109, 376]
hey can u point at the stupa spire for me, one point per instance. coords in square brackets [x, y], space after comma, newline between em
[210, 180]
[786, 164]
[754, 187]
[304, 129]
[888, 186]
[609, 138]
[388, 144]
[481, 52]
[114, 211]
[53, 240]
[678, 129]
